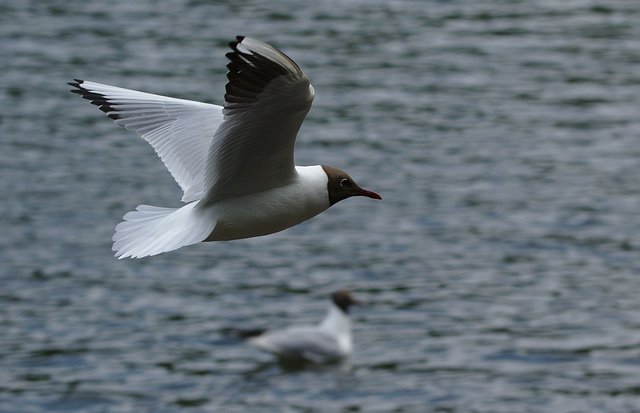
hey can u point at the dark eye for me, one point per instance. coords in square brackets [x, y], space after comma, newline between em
[343, 182]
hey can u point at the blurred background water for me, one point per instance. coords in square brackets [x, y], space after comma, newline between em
[501, 269]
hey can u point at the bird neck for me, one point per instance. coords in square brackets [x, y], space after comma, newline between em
[336, 321]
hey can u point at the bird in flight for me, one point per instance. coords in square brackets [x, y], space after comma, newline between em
[234, 163]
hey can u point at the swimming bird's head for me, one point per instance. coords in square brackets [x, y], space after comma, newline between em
[343, 300]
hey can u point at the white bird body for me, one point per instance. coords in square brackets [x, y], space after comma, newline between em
[235, 163]
[329, 341]
[273, 210]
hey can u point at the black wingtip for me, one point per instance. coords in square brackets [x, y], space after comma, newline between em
[235, 44]
[76, 85]
[249, 73]
[247, 333]
[95, 98]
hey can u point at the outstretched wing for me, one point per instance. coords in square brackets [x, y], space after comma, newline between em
[267, 98]
[179, 130]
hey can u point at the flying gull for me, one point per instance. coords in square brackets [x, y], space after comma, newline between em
[234, 163]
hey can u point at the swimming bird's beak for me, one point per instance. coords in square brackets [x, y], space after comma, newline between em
[368, 194]
[359, 303]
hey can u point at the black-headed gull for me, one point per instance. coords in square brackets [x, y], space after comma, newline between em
[234, 163]
[327, 342]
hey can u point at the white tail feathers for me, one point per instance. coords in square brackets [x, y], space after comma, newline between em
[151, 230]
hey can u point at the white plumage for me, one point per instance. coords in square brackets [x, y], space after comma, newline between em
[235, 163]
[327, 342]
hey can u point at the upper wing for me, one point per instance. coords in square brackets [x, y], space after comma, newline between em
[179, 130]
[267, 97]
[301, 342]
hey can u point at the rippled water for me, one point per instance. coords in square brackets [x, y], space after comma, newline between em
[501, 269]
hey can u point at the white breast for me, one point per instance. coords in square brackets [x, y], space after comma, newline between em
[273, 210]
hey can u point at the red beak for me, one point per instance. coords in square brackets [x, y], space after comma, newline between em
[368, 194]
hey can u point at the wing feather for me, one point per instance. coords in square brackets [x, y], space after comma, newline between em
[300, 342]
[180, 131]
[267, 98]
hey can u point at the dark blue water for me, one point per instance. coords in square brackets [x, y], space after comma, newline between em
[502, 268]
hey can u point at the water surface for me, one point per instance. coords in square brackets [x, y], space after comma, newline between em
[501, 269]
